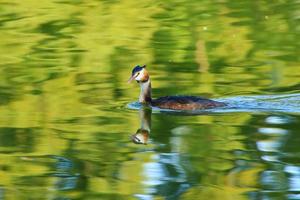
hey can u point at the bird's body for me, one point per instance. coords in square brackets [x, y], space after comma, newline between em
[169, 102]
[185, 103]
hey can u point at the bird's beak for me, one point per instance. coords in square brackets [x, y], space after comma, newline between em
[130, 79]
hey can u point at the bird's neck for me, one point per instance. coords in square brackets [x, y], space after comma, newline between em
[145, 118]
[145, 95]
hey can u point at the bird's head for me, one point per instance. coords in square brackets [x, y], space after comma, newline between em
[140, 137]
[139, 74]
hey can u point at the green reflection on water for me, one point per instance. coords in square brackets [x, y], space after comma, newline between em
[66, 132]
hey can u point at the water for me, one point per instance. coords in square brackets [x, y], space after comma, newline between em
[67, 127]
[262, 103]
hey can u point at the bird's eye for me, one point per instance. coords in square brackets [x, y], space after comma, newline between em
[137, 73]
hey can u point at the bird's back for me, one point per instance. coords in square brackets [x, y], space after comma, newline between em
[185, 103]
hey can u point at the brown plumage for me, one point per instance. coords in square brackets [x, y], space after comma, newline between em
[141, 75]
[185, 103]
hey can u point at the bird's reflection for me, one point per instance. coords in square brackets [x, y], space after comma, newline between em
[142, 134]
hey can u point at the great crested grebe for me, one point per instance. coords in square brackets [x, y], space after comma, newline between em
[142, 134]
[141, 75]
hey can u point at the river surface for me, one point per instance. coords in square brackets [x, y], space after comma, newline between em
[71, 127]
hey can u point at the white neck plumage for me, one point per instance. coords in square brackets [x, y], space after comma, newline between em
[145, 119]
[145, 94]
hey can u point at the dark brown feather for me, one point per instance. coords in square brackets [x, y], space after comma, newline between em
[185, 103]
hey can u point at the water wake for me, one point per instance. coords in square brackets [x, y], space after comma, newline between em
[288, 103]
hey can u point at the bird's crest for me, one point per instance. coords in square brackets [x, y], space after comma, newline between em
[137, 69]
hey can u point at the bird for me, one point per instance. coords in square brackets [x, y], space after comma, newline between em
[142, 134]
[178, 102]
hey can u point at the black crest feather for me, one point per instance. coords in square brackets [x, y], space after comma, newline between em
[137, 69]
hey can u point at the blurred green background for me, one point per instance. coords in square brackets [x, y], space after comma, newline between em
[64, 122]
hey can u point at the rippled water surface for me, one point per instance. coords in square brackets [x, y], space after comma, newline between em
[70, 127]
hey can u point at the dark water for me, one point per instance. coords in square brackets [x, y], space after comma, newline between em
[68, 119]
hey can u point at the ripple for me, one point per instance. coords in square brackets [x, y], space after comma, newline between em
[286, 103]
[289, 103]
[278, 120]
[272, 131]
